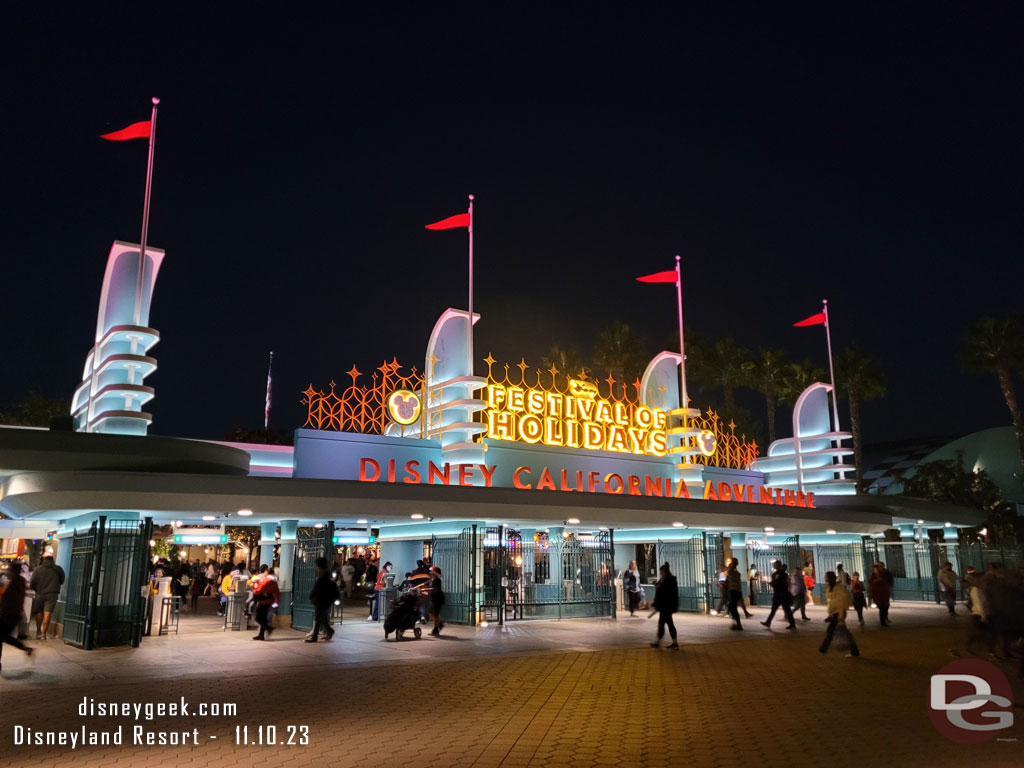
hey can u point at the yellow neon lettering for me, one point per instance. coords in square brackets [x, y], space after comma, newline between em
[495, 397]
[501, 425]
[603, 411]
[554, 404]
[553, 431]
[617, 439]
[659, 443]
[593, 435]
[572, 437]
[621, 415]
[660, 419]
[535, 401]
[530, 428]
[644, 417]
[515, 399]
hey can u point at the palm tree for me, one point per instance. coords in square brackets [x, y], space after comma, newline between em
[720, 366]
[796, 378]
[768, 376]
[858, 378]
[996, 345]
[620, 352]
[567, 361]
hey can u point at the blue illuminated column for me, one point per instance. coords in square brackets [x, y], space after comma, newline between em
[289, 529]
[112, 393]
[268, 532]
[659, 388]
[739, 551]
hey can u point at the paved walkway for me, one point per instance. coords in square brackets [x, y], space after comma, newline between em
[579, 693]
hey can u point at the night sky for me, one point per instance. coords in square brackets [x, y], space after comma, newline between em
[870, 156]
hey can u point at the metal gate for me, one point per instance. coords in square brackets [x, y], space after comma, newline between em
[714, 559]
[911, 566]
[502, 560]
[456, 557]
[107, 586]
[788, 552]
[80, 579]
[827, 556]
[307, 550]
[686, 560]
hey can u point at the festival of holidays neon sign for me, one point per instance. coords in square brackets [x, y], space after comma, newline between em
[579, 419]
[578, 481]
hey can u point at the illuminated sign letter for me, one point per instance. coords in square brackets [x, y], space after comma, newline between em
[593, 435]
[603, 412]
[465, 474]
[634, 485]
[433, 471]
[659, 443]
[644, 417]
[517, 481]
[515, 399]
[764, 495]
[709, 491]
[810, 501]
[363, 464]
[652, 486]
[535, 401]
[617, 439]
[530, 428]
[545, 482]
[411, 470]
[501, 425]
[495, 397]
[553, 431]
[609, 488]
[488, 473]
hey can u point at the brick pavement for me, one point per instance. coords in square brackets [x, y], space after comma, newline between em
[754, 699]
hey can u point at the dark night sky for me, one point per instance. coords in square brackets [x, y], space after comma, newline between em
[868, 155]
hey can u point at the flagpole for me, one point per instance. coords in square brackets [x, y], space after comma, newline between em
[145, 214]
[831, 368]
[684, 399]
[469, 328]
[266, 412]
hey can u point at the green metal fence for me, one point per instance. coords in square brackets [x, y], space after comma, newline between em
[686, 560]
[307, 550]
[107, 585]
[456, 556]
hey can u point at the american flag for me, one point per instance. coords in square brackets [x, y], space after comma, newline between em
[266, 412]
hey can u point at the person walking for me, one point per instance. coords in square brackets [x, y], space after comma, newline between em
[735, 587]
[723, 593]
[837, 602]
[378, 591]
[267, 595]
[323, 595]
[348, 575]
[857, 592]
[752, 577]
[631, 584]
[46, 580]
[781, 598]
[666, 602]
[948, 580]
[881, 592]
[12, 605]
[798, 589]
[436, 600]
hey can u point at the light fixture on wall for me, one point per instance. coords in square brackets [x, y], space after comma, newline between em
[208, 518]
[244, 512]
[678, 525]
[573, 521]
[416, 516]
[362, 522]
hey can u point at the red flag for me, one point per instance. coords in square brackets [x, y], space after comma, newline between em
[133, 131]
[659, 277]
[458, 220]
[817, 319]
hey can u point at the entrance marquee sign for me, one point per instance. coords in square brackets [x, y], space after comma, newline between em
[578, 419]
[544, 479]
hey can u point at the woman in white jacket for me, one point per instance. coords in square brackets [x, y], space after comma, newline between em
[837, 602]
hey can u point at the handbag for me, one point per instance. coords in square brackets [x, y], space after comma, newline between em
[842, 638]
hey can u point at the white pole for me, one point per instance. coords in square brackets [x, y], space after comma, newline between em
[831, 369]
[684, 399]
[145, 214]
[469, 327]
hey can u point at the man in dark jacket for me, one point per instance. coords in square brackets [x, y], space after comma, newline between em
[666, 602]
[323, 596]
[781, 597]
[11, 606]
[46, 580]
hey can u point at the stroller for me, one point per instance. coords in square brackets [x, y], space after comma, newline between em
[403, 615]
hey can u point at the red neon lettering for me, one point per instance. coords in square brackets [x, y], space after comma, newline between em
[564, 485]
[545, 482]
[652, 486]
[363, 464]
[465, 474]
[410, 470]
[709, 491]
[391, 470]
[738, 491]
[488, 474]
[519, 483]
[592, 478]
[634, 485]
[765, 495]
[790, 499]
[682, 492]
[433, 471]
[608, 483]
[801, 500]
[810, 501]
[724, 494]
